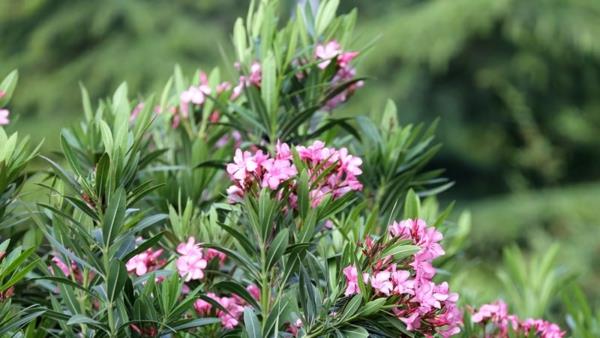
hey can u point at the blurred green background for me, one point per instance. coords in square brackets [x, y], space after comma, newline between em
[515, 83]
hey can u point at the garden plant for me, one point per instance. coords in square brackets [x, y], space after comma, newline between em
[237, 203]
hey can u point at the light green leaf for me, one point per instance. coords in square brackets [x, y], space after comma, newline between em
[114, 217]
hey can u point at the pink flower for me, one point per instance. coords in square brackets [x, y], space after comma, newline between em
[327, 52]
[543, 328]
[413, 321]
[295, 327]
[191, 263]
[382, 283]
[195, 95]
[62, 266]
[203, 307]
[283, 151]
[352, 280]
[243, 163]
[276, 172]
[4, 120]
[235, 194]
[488, 311]
[349, 164]
[401, 282]
[145, 262]
[254, 291]
[427, 238]
[230, 317]
[255, 76]
[223, 86]
[345, 58]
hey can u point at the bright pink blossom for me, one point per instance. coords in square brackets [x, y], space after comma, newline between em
[277, 171]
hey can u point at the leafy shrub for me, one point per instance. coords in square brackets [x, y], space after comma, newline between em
[247, 208]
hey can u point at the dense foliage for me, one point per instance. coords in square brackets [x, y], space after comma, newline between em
[248, 206]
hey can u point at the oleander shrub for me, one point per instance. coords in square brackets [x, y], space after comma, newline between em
[244, 207]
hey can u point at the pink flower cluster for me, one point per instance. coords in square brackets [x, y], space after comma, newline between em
[234, 307]
[497, 315]
[145, 262]
[423, 305]
[4, 120]
[332, 51]
[260, 169]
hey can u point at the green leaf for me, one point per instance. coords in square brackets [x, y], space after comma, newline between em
[116, 279]
[269, 87]
[278, 247]
[87, 106]
[351, 308]
[114, 217]
[326, 13]
[400, 250]
[84, 320]
[8, 87]
[412, 205]
[239, 40]
[251, 323]
[373, 307]
[190, 324]
[355, 332]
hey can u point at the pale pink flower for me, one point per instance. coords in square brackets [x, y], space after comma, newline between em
[191, 263]
[381, 282]
[223, 86]
[243, 163]
[4, 120]
[193, 95]
[145, 262]
[255, 76]
[235, 194]
[327, 52]
[352, 280]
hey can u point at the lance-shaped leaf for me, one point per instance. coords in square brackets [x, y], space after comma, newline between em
[116, 279]
[251, 323]
[114, 216]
